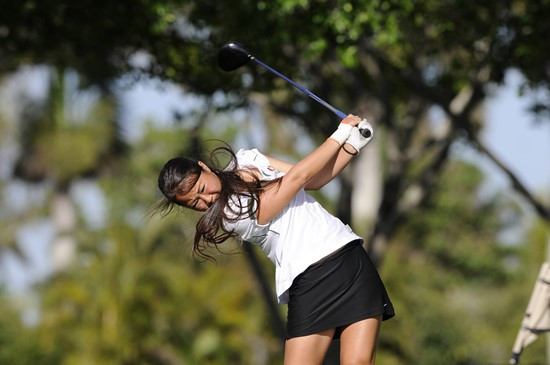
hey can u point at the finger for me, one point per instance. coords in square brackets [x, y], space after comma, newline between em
[352, 119]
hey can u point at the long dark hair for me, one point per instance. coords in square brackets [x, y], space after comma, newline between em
[237, 196]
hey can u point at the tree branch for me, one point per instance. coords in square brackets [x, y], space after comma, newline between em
[461, 120]
[267, 293]
[542, 210]
[409, 199]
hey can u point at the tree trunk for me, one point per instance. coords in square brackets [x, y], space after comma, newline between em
[64, 220]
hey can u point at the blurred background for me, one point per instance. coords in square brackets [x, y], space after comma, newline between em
[452, 197]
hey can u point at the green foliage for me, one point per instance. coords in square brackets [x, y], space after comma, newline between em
[133, 294]
[18, 343]
[134, 301]
[387, 51]
[471, 223]
[453, 284]
[94, 38]
[63, 138]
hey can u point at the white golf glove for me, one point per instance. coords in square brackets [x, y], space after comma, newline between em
[356, 138]
[342, 133]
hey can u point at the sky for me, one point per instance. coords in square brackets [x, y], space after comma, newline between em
[514, 136]
[510, 133]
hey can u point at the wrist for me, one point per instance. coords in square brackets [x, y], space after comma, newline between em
[341, 134]
[350, 149]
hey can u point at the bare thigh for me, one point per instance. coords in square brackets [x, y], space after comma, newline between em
[308, 350]
[358, 342]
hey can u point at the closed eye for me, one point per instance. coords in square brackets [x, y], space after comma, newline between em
[200, 192]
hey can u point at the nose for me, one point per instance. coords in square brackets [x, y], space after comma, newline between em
[212, 199]
[209, 199]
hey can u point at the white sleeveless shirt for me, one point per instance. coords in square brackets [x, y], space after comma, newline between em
[300, 235]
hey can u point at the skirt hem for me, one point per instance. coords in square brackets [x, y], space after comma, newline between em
[313, 330]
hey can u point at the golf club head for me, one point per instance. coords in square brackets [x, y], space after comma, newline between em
[233, 55]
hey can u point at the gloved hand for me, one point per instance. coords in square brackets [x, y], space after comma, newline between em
[342, 133]
[356, 139]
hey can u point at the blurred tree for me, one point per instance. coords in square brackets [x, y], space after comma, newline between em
[18, 343]
[11, 218]
[454, 281]
[392, 61]
[71, 134]
[134, 295]
[12, 222]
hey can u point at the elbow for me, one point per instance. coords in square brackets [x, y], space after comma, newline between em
[297, 178]
[314, 185]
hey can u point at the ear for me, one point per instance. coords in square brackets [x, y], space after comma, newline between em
[203, 166]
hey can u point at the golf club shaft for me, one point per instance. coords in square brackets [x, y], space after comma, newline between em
[340, 114]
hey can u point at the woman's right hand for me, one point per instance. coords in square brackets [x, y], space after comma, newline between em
[354, 120]
[344, 129]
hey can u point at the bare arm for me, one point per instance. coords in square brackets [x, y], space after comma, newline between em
[275, 198]
[333, 167]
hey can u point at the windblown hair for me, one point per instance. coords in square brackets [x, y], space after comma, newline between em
[179, 175]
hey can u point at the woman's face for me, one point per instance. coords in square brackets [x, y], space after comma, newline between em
[205, 191]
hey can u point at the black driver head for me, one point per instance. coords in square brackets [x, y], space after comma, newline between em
[233, 55]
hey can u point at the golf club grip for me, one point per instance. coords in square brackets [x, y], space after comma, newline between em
[365, 132]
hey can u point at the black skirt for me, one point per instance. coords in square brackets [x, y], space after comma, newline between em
[338, 290]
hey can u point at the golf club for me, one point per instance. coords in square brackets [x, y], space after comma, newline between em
[233, 55]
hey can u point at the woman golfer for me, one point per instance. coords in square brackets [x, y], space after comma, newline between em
[322, 271]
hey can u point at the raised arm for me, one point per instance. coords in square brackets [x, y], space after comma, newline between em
[327, 174]
[277, 197]
[333, 168]
[353, 144]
